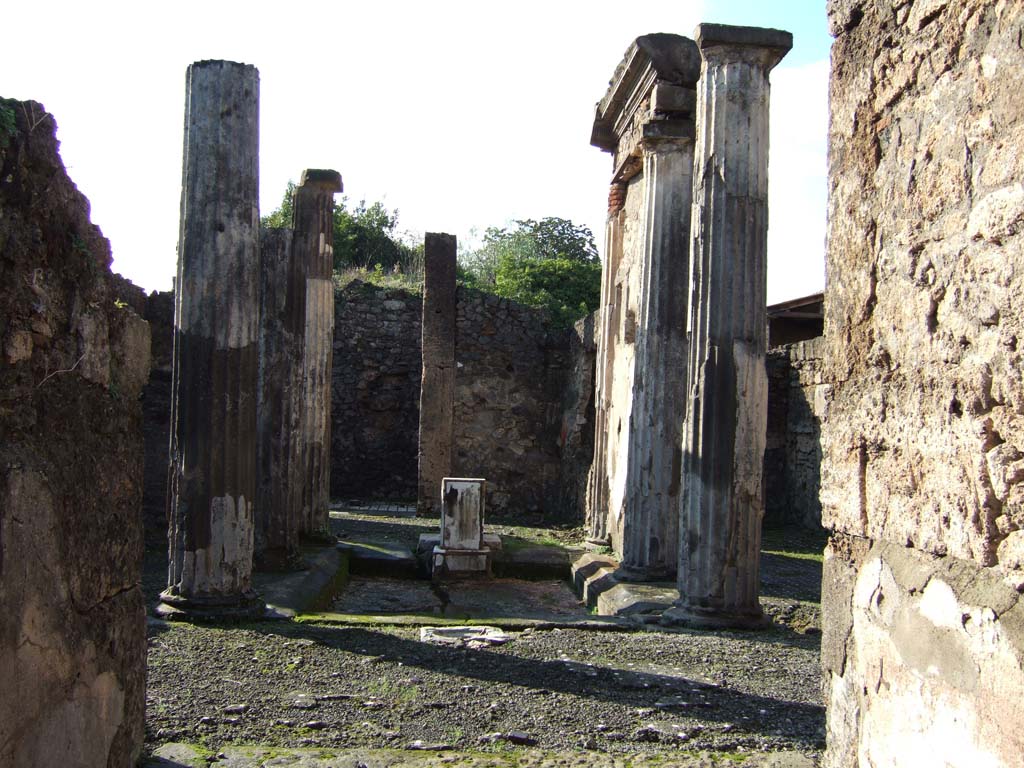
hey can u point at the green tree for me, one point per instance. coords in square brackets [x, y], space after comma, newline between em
[549, 238]
[567, 289]
[551, 263]
[363, 235]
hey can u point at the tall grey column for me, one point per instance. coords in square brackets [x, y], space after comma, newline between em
[279, 406]
[724, 435]
[314, 255]
[437, 388]
[212, 478]
[653, 499]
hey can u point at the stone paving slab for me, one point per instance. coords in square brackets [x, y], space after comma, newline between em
[429, 756]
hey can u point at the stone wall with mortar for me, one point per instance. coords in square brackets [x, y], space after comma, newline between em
[510, 373]
[576, 437]
[74, 359]
[156, 414]
[375, 389]
[797, 400]
[923, 454]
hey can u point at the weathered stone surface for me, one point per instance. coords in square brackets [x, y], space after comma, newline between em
[511, 370]
[650, 526]
[724, 435]
[646, 121]
[375, 392]
[923, 443]
[922, 659]
[313, 304]
[922, 477]
[213, 420]
[437, 390]
[797, 404]
[462, 549]
[576, 437]
[156, 413]
[75, 356]
[280, 405]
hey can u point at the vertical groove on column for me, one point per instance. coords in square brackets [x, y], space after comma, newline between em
[652, 504]
[212, 483]
[314, 318]
[727, 384]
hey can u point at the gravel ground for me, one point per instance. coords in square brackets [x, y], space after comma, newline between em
[655, 693]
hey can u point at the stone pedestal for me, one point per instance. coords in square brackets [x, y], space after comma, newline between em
[212, 477]
[462, 551]
[437, 390]
[724, 434]
[313, 316]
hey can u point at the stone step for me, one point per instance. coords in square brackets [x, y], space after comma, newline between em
[380, 559]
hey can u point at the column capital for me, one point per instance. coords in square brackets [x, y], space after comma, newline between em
[667, 135]
[325, 179]
[727, 42]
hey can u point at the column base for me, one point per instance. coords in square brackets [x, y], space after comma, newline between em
[703, 618]
[635, 575]
[318, 539]
[278, 561]
[242, 607]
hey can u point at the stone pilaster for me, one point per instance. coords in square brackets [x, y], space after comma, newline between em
[437, 391]
[645, 120]
[652, 503]
[597, 481]
[314, 256]
[212, 477]
[724, 434]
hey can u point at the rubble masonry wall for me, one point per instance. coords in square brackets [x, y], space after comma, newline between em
[792, 457]
[75, 356]
[923, 446]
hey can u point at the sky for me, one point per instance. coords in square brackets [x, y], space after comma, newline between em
[460, 115]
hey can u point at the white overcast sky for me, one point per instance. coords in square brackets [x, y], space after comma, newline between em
[458, 114]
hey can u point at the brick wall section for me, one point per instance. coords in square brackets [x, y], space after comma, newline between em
[375, 388]
[511, 370]
[792, 458]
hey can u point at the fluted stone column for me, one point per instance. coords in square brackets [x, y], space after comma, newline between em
[212, 477]
[653, 499]
[314, 259]
[279, 406]
[437, 388]
[724, 435]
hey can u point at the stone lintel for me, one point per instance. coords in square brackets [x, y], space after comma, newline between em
[650, 59]
[777, 41]
[327, 179]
